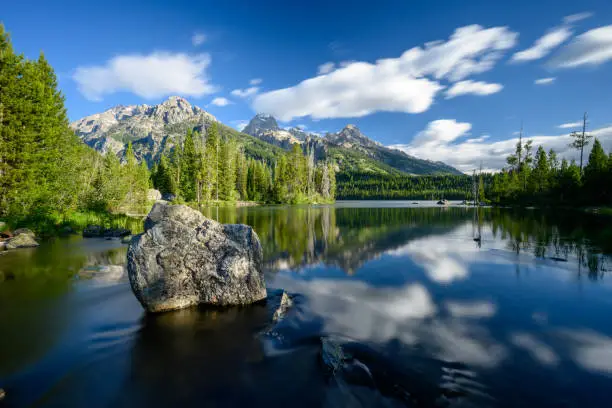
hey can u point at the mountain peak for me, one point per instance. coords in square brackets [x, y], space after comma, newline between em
[261, 122]
[176, 101]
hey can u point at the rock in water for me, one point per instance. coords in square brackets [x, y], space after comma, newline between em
[183, 259]
[23, 238]
[285, 304]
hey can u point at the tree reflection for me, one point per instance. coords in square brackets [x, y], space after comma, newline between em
[557, 236]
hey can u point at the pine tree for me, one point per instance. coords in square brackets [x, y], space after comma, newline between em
[595, 174]
[281, 181]
[241, 175]
[331, 174]
[211, 163]
[188, 168]
[541, 171]
[227, 171]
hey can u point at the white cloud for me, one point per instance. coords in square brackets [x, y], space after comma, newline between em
[472, 87]
[439, 142]
[198, 39]
[408, 83]
[574, 18]
[570, 125]
[441, 131]
[220, 101]
[255, 81]
[544, 81]
[245, 93]
[239, 124]
[326, 68]
[544, 45]
[148, 76]
[594, 47]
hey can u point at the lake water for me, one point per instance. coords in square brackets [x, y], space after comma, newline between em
[430, 315]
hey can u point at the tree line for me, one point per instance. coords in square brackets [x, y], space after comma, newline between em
[215, 168]
[368, 186]
[542, 178]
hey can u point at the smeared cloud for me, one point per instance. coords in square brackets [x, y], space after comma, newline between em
[408, 83]
[471, 310]
[473, 88]
[570, 125]
[245, 93]
[239, 124]
[540, 351]
[149, 76]
[220, 101]
[198, 39]
[574, 18]
[592, 48]
[441, 141]
[255, 81]
[326, 68]
[544, 45]
[544, 81]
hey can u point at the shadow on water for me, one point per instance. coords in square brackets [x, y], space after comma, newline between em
[215, 357]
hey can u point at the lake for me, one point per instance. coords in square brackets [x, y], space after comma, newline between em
[433, 306]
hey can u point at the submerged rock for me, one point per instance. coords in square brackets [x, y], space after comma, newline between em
[22, 238]
[126, 240]
[184, 259]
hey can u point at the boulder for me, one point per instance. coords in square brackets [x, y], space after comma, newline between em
[153, 195]
[184, 259]
[97, 231]
[23, 240]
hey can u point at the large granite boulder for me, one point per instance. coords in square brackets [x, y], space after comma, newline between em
[183, 259]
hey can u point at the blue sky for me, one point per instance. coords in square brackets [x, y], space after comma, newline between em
[324, 64]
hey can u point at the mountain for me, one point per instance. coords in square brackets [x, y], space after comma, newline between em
[351, 149]
[151, 129]
[265, 127]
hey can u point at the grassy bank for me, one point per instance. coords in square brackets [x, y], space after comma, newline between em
[49, 225]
